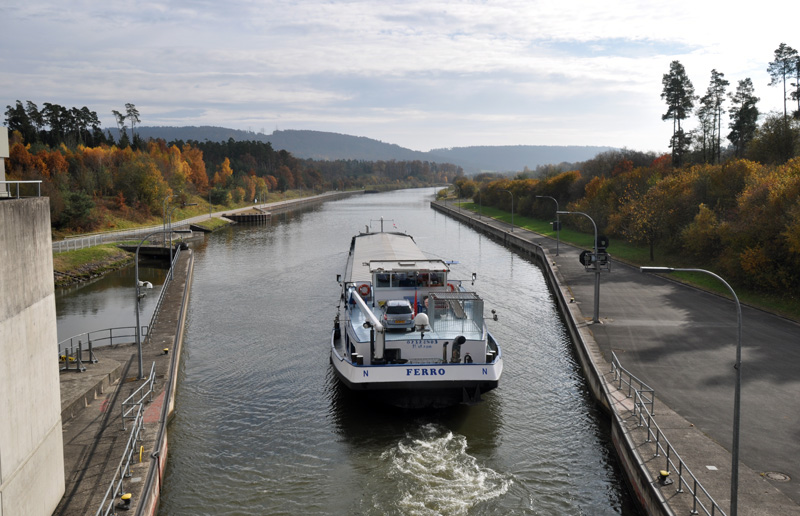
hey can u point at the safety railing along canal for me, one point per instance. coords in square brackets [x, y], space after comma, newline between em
[108, 237]
[643, 410]
[7, 187]
[117, 487]
[73, 349]
[138, 396]
[160, 300]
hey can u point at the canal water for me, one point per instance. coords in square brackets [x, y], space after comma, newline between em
[108, 301]
[263, 428]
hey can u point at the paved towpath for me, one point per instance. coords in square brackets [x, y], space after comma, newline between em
[681, 341]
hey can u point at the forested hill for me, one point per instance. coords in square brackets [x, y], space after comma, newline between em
[320, 145]
[505, 158]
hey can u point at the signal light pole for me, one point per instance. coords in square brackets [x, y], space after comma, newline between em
[596, 316]
[557, 223]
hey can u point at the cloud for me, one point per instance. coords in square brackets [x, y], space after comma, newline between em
[421, 74]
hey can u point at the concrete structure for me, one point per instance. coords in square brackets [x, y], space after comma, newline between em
[3, 154]
[31, 445]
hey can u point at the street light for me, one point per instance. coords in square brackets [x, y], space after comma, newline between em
[164, 214]
[138, 296]
[558, 222]
[596, 317]
[737, 388]
[169, 218]
[512, 209]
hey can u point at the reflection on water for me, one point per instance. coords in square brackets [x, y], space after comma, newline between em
[108, 301]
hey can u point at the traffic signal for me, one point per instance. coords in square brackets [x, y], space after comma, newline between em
[602, 255]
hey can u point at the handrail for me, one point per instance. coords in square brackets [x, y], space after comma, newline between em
[90, 240]
[644, 398]
[169, 388]
[117, 487]
[38, 182]
[623, 376]
[167, 281]
[138, 396]
[89, 336]
[674, 461]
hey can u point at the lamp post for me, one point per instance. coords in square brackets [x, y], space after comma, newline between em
[480, 204]
[596, 316]
[169, 219]
[558, 222]
[138, 296]
[512, 209]
[164, 214]
[738, 384]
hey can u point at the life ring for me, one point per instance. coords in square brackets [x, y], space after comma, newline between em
[364, 290]
[452, 287]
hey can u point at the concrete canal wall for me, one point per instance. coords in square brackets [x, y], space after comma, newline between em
[587, 352]
[31, 445]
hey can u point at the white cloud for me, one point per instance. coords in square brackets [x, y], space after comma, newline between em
[420, 74]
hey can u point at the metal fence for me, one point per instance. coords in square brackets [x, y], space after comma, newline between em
[91, 338]
[137, 397]
[460, 312]
[90, 240]
[167, 281]
[8, 186]
[117, 487]
[644, 398]
[623, 377]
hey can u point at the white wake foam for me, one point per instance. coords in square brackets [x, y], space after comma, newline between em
[436, 475]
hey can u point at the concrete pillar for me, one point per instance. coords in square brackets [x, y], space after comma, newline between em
[3, 154]
[31, 444]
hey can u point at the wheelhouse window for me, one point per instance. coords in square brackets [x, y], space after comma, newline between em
[409, 279]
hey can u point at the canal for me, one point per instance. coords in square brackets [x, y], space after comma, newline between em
[263, 428]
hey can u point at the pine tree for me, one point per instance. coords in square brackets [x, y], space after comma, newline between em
[679, 95]
[782, 67]
[744, 116]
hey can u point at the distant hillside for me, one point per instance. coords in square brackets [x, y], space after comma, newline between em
[332, 146]
[506, 158]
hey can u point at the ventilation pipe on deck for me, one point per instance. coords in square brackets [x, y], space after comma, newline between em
[377, 334]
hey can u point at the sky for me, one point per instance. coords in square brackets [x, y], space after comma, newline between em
[420, 74]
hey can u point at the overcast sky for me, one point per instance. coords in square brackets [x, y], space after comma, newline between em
[421, 74]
